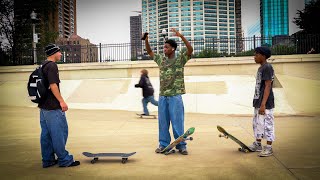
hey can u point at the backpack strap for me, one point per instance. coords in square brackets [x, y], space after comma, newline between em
[44, 64]
[41, 69]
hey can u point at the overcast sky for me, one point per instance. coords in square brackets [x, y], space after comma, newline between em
[108, 21]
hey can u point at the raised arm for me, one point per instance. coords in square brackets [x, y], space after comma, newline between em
[186, 42]
[148, 48]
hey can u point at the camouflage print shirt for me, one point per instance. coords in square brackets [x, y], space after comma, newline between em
[171, 74]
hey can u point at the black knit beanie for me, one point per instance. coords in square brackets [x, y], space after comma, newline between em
[51, 49]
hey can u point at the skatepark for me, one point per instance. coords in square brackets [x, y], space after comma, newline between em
[102, 117]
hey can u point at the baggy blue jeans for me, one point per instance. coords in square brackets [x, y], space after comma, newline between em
[171, 109]
[54, 135]
[145, 102]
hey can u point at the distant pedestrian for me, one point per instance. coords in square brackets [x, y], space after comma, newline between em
[147, 91]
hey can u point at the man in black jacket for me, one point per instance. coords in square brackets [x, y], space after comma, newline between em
[53, 120]
[147, 91]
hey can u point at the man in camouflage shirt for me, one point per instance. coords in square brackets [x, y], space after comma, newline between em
[171, 88]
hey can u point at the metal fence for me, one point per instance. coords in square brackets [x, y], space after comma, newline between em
[203, 48]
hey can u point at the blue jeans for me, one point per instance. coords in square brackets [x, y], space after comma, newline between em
[171, 109]
[145, 102]
[54, 135]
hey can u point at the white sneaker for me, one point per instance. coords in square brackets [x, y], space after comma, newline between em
[255, 147]
[267, 151]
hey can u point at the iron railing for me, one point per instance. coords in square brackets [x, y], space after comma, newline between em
[203, 48]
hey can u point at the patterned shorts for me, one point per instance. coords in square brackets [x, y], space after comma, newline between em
[263, 125]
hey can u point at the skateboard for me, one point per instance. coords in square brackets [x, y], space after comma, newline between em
[147, 116]
[169, 149]
[96, 156]
[243, 148]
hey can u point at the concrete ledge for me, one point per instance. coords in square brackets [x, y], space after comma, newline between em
[151, 64]
[305, 66]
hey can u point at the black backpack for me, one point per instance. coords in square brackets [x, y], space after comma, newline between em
[38, 85]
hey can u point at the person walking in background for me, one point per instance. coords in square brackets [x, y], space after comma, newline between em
[147, 91]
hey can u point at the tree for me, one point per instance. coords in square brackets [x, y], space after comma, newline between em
[207, 53]
[16, 28]
[6, 24]
[307, 19]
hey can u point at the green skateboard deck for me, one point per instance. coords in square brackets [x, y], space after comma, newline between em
[169, 149]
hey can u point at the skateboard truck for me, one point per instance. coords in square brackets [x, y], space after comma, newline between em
[124, 160]
[243, 150]
[222, 135]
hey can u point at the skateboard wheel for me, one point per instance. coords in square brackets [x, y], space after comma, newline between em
[94, 160]
[246, 150]
[124, 160]
[240, 149]
[191, 138]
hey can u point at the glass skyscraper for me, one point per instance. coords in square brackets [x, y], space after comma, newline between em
[274, 18]
[195, 19]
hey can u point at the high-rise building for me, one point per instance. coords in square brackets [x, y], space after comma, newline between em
[135, 37]
[239, 42]
[66, 18]
[52, 16]
[195, 19]
[274, 18]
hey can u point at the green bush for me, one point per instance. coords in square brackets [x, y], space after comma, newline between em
[283, 50]
[207, 53]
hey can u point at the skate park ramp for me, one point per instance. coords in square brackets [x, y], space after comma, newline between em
[213, 86]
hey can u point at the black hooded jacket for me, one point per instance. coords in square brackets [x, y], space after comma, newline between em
[145, 84]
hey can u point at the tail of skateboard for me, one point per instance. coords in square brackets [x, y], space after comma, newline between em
[225, 134]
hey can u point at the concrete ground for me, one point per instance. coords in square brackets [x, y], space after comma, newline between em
[210, 157]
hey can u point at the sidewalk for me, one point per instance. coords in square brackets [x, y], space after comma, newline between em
[210, 157]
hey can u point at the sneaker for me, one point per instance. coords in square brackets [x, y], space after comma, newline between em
[255, 147]
[159, 149]
[53, 163]
[75, 163]
[183, 151]
[267, 151]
